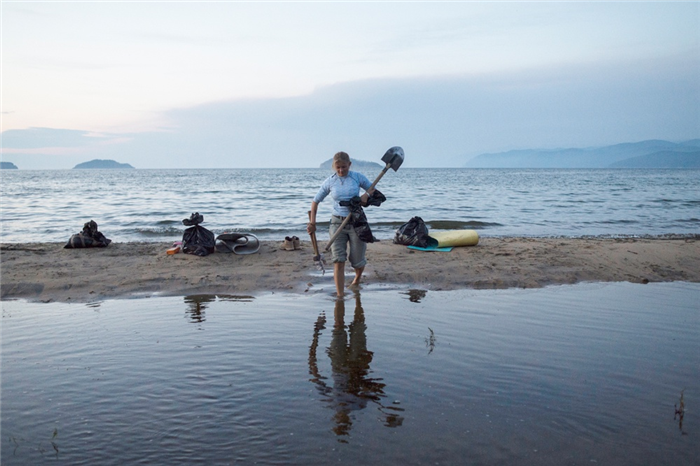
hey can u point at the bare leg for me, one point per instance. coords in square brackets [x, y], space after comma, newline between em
[339, 275]
[358, 275]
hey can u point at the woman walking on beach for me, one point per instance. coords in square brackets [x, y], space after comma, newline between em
[343, 185]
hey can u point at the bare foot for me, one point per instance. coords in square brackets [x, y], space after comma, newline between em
[358, 276]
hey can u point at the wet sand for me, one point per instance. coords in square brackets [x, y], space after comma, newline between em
[47, 272]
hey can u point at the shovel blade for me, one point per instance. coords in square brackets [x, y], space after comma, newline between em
[393, 157]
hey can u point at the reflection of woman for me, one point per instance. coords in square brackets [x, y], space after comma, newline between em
[352, 388]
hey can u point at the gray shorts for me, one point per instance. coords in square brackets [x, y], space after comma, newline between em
[340, 245]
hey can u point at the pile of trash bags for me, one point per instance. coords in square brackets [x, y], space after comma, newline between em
[88, 238]
[413, 233]
[197, 240]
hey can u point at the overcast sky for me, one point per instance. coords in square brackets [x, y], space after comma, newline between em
[284, 84]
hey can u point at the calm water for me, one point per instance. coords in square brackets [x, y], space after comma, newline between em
[585, 374]
[149, 205]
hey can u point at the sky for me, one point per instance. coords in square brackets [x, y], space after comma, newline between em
[288, 84]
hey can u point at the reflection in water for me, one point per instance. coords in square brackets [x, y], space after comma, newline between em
[351, 388]
[680, 411]
[196, 306]
[430, 341]
[416, 295]
[197, 303]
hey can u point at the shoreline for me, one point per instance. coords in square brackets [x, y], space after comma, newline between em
[46, 272]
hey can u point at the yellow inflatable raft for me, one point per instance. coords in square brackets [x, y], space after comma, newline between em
[455, 238]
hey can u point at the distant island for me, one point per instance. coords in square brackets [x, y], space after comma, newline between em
[7, 166]
[356, 165]
[98, 163]
[645, 154]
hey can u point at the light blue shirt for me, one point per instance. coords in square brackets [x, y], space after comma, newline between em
[342, 189]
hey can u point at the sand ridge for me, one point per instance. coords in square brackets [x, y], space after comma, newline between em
[47, 272]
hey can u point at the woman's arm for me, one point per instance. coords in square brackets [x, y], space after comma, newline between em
[367, 193]
[311, 227]
[365, 197]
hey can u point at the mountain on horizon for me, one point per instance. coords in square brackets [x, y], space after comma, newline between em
[99, 163]
[356, 164]
[653, 153]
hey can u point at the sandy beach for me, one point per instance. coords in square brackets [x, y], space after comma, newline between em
[48, 272]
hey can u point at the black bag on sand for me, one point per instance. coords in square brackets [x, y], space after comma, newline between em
[413, 233]
[197, 240]
[88, 238]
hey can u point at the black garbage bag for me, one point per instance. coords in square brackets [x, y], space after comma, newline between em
[414, 233]
[195, 219]
[359, 219]
[197, 240]
[88, 238]
[376, 198]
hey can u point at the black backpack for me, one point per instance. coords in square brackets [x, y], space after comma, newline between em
[413, 233]
[88, 238]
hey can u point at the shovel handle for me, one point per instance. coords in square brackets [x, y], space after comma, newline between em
[314, 243]
[379, 177]
[337, 232]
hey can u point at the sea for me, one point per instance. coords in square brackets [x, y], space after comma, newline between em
[585, 374]
[149, 205]
[568, 375]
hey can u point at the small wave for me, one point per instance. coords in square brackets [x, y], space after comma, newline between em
[460, 225]
[254, 231]
[616, 222]
[440, 224]
[671, 236]
[158, 232]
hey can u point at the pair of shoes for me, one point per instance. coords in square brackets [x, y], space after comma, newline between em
[291, 243]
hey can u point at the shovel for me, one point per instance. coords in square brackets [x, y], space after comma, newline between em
[318, 257]
[393, 158]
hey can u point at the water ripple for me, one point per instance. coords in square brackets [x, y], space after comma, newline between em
[149, 205]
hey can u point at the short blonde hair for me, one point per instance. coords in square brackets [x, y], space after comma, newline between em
[341, 157]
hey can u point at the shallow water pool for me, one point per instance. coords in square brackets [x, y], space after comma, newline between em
[580, 374]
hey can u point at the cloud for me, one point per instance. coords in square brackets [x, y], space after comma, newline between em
[51, 148]
[438, 121]
[44, 137]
